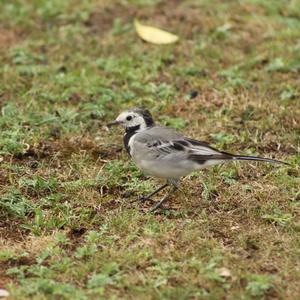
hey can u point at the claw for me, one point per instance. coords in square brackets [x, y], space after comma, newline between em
[141, 199]
[159, 204]
[155, 207]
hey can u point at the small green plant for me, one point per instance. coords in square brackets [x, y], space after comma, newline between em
[223, 139]
[288, 93]
[230, 176]
[234, 77]
[259, 285]
[109, 274]
[177, 123]
[6, 255]
[91, 246]
[276, 65]
[209, 191]
[39, 184]
[15, 204]
[278, 218]
[42, 287]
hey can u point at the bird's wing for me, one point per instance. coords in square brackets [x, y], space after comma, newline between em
[164, 143]
[161, 142]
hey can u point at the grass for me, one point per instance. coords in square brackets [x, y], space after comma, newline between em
[67, 229]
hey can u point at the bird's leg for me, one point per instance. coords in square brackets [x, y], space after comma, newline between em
[159, 204]
[145, 198]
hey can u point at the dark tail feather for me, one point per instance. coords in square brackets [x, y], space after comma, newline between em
[255, 158]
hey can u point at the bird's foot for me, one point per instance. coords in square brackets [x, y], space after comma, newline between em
[162, 210]
[142, 199]
[157, 206]
[163, 200]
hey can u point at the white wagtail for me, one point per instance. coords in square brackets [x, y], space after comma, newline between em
[162, 152]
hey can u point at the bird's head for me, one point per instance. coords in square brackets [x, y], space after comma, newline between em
[136, 118]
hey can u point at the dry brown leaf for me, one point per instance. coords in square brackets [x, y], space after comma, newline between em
[224, 272]
[154, 35]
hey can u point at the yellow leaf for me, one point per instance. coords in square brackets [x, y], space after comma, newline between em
[154, 35]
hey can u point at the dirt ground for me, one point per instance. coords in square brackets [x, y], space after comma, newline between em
[67, 229]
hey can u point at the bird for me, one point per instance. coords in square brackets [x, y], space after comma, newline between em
[162, 152]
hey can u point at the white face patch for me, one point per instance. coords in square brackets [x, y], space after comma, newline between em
[131, 119]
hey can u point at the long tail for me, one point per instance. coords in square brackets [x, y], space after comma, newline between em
[255, 158]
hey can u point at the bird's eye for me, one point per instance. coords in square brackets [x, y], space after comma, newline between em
[129, 118]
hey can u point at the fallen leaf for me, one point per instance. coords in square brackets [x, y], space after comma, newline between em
[3, 293]
[224, 272]
[234, 227]
[154, 35]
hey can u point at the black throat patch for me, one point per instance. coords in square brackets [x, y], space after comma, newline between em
[130, 131]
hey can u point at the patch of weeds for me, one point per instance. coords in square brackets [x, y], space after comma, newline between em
[76, 185]
[177, 123]
[210, 270]
[222, 32]
[281, 65]
[120, 28]
[31, 13]
[144, 2]
[6, 255]
[230, 177]
[14, 203]
[211, 273]
[28, 63]
[96, 111]
[109, 274]
[41, 287]
[38, 270]
[223, 139]
[22, 56]
[38, 223]
[278, 218]
[50, 10]
[276, 65]
[259, 285]
[136, 184]
[209, 191]
[51, 200]
[18, 272]
[181, 293]
[62, 265]
[38, 184]
[121, 68]
[164, 91]
[56, 217]
[90, 247]
[248, 113]
[195, 71]
[288, 93]
[12, 134]
[163, 271]
[234, 77]
[12, 144]
[86, 251]
[120, 173]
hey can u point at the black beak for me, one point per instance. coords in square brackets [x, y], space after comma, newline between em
[113, 123]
